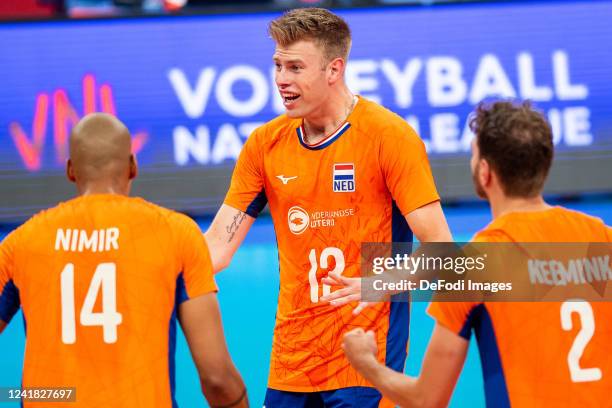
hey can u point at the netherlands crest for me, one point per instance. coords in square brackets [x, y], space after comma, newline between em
[344, 177]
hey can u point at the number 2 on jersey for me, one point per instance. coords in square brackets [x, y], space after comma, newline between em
[587, 329]
[323, 263]
[109, 319]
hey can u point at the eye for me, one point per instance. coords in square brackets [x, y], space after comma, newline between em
[295, 68]
[278, 66]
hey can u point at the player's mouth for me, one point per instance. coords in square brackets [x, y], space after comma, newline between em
[290, 98]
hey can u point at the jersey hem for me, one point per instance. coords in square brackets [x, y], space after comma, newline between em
[295, 388]
[419, 205]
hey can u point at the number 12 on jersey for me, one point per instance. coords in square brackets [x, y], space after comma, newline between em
[109, 319]
[338, 256]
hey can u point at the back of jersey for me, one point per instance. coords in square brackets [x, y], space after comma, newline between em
[99, 279]
[542, 354]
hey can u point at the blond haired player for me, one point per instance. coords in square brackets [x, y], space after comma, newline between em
[101, 280]
[337, 170]
[530, 352]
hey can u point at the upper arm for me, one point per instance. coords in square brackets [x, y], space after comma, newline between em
[9, 294]
[429, 224]
[442, 365]
[201, 322]
[226, 233]
[409, 180]
[193, 261]
[245, 199]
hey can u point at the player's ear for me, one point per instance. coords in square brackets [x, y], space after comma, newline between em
[70, 171]
[336, 70]
[484, 170]
[133, 167]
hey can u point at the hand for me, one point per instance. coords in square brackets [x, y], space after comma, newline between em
[360, 347]
[350, 292]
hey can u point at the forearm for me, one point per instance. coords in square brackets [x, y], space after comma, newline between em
[219, 255]
[226, 233]
[399, 388]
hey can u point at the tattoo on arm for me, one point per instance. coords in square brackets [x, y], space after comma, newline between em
[232, 229]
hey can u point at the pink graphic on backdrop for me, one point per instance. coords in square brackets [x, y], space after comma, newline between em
[65, 116]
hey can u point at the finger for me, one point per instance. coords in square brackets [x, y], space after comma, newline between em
[337, 294]
[327, 280]
[344, 300]
[342, 279]
[360, 307]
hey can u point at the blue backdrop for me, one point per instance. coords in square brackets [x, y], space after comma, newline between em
[191, 89]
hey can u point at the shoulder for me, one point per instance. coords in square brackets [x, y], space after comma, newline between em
[276, 128]
[170, 217]
[372, 117]
[497, 230]
[577, 216]
[581, 221]
[492, 234]
[387, 129]
[44, 219]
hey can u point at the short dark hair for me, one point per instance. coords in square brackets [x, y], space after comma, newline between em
[517, 142]
[328, 30]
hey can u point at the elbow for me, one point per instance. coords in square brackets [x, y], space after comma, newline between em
[431, 400]
[221, 262]
[412, 401]
[219, 256]
[419, 401]
[214, 386]
[222, 388]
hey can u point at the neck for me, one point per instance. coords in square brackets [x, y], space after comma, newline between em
[502, 205]
[102, 188]
[329, 116]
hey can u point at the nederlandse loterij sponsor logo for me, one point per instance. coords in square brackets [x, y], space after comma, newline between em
[298, 220]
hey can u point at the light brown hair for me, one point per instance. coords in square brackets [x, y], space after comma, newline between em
[328, 30]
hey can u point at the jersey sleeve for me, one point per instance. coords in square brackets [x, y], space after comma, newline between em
[406, 169]
[455, 316]
[196, 276]
[9, 294]
[246, 192]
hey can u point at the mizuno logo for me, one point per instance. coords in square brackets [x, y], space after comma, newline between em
[284, 179]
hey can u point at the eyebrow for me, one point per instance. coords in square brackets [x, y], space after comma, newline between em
[292, 61]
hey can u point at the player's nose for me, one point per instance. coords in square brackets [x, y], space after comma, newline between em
[282, 79]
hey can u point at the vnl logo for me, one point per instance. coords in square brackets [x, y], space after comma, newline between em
[65, 116]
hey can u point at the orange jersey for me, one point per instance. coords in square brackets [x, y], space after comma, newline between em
[99, 278]
[325, 200]
[539, 354]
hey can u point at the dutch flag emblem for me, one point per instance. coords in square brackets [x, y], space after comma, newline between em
[344, 177]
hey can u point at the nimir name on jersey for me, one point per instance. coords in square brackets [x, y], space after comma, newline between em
[76, 240]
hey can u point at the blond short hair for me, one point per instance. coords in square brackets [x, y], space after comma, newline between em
[328, 30]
